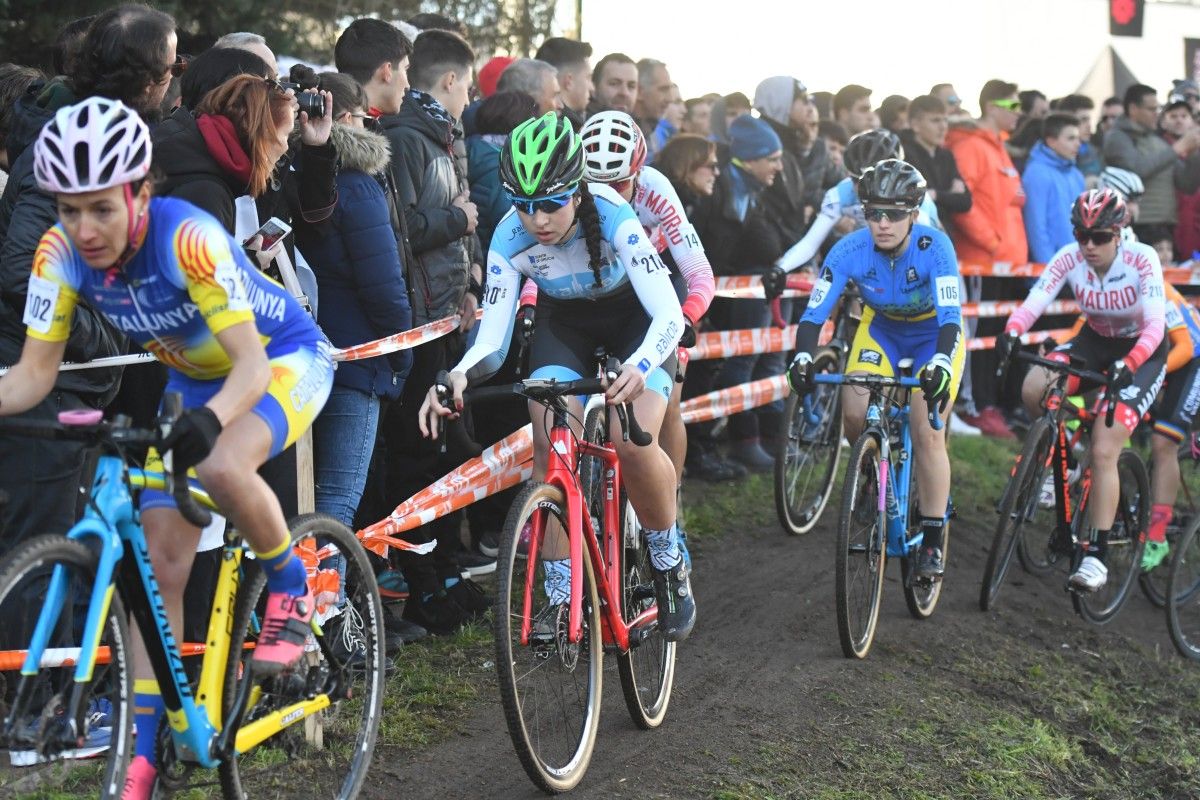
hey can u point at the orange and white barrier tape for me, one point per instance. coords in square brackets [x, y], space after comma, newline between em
[504, 464]
[1005, 308]
[1033, 337]
[750, 286]
[727, 344]
[735, 399]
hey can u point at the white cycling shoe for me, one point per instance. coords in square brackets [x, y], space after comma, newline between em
[1091, 575]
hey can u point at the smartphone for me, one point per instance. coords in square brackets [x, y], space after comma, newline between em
[272, 231]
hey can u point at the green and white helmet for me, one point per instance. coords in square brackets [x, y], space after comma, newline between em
[543, 156]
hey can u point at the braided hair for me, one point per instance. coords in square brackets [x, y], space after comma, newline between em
[589, 218]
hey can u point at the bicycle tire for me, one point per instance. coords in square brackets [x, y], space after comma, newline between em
[546, 654]
[1183, 593]
[352, 720]
[1019, 496]
[1125, 543]
[591, 468]
[921, 597]
[861, 555]
[799, 457]
[22, 587]
[1154, 582]
[647, 669]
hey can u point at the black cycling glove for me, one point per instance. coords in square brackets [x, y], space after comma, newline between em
[192, 437]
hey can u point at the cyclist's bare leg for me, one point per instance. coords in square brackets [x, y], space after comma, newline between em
[172, 545]
[555, 544]
[1107, 444]
[1033, 389]
[933, 462]
[854, 409]
[1165, 484]
[673, 437]
[647, 472]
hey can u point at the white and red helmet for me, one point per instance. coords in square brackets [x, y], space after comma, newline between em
[1098, 209]
[614, 148]
[92, 145]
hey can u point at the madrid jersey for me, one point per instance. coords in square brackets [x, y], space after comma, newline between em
[186, 283]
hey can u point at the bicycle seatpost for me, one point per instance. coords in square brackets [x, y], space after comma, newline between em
[172, 407]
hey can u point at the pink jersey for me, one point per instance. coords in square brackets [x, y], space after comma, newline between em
[662, 214]
[1127, 302]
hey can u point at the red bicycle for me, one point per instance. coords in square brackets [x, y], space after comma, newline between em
[549, 655]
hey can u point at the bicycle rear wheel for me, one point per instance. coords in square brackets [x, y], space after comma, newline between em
[39, 748]
[808, 450]
[1154, 582]
[1019, 507]
[861, 549]
[1125, 543]
[550, 688]
[348, 665]
[1183, 593]
[647, 669]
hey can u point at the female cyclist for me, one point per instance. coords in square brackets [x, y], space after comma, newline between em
[614, 153]
[1119, 288]
[601, 284]
[841, 210]
[251, 365]
[907, 274]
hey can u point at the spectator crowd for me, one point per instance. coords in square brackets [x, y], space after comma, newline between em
[388, 178]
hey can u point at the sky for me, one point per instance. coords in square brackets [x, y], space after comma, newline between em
[891, 47]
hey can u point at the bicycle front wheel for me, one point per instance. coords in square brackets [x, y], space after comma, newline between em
[1125, 543]
[921, 596]
[347, 664]
[1183, 593]
[647, 669]
[550, 687]
[40, 745]
[1019, 507]
[861, 549]
[808, 450]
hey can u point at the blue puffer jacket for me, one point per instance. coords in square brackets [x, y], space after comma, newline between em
[358, 265]
[483, 156]
[1051, 185]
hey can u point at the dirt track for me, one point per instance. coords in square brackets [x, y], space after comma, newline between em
[765, 704]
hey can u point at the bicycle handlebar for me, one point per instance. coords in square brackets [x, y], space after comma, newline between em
[885, 382]
[1083, 374]
[118, 432]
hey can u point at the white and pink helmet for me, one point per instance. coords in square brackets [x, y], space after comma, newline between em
[92, 145]
[613, 147]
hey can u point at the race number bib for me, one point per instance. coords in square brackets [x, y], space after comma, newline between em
[947, 291]
[40, 304]
[229, 278]
[820, 290]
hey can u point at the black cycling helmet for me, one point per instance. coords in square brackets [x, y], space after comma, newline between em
[1099, 209]
[870, 147]
[543, 156]
[892, 182]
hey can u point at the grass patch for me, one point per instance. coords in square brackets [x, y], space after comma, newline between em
[710, 510]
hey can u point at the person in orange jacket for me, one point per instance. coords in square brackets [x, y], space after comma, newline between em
[992, 230]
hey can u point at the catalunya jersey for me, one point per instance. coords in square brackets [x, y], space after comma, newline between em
[661, 213]
[187, 282]
[921, 283]
[562, 271]
[1129, 301]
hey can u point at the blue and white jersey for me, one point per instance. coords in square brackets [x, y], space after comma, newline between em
[842, 201]
[563, 272]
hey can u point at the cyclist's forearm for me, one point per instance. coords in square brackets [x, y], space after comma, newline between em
[244, 386]
[807, 336]
[947, 339]
[31, 378]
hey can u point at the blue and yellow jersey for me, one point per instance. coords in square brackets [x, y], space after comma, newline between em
[187, 282]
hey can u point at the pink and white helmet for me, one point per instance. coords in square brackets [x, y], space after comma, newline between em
[613, 147]
[90, 146]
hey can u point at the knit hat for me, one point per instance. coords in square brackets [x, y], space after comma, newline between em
[751, 138]
[490, 74]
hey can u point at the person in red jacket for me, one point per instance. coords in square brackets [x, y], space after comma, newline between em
[991, 230]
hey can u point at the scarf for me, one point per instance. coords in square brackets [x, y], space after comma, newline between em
[222, 142]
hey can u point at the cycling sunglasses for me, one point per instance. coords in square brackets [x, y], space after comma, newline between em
[891, 214]
[548, 205]
[1008, 105]
[1095, 237]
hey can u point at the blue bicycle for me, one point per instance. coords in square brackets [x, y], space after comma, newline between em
[879, 516]
[66, 690]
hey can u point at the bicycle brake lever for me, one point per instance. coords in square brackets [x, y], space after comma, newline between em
[441, 385]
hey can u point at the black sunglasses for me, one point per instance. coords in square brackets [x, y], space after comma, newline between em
[1095, 237]
[179, 67]
[891, 214]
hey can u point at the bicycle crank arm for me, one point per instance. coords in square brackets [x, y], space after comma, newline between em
[224, 744]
